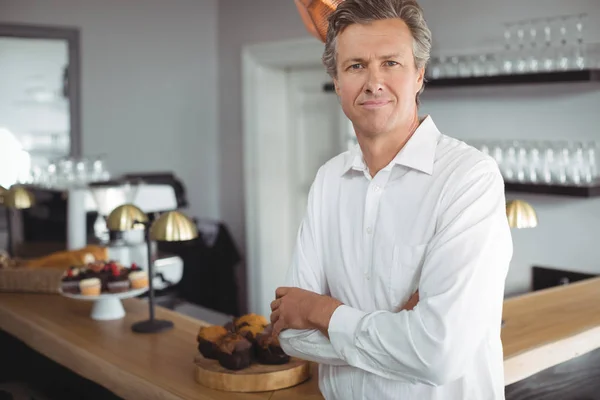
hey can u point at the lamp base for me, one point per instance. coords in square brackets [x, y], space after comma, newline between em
[152, 326]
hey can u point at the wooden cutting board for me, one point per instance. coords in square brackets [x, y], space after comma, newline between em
[255, 378]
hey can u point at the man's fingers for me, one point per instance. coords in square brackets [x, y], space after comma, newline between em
[275, 316]
[412, 302]
[278, 327]
[275, 304]
[281, 291]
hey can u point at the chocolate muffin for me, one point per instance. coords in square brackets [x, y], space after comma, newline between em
[250, 325]
[208, 338]
[250, 320]
[235, 352]
[268, 349]
[250, 332]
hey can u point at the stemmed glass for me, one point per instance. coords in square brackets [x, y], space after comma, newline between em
[548, 50]
[522, 59]
[533, 64]
[507, 64]
[563, 57]
[580, 58]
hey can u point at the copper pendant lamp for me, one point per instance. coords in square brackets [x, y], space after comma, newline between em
[315, 14]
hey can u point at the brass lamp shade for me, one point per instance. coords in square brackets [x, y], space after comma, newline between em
[18, 198]
[124, 218]
[315, 14]
[521, 214]
[173, 226]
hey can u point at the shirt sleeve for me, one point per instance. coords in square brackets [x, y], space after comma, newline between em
[461, 294]
[306, 272]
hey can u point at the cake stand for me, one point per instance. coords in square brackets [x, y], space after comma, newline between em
[107, 306]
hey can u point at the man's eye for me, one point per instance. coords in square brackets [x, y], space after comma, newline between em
[391, 63]
[355, 66]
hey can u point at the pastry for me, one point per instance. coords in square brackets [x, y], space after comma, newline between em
[64, 259]
[138, 279]
[90, 286]
[70, 280]
[250, 332]
[234, 352]
[251, 319]
[118, 281]
[250, 325]
[268, 349]
[208, 337]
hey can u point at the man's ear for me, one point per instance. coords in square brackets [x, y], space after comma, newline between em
[420, 78]
[336, 85]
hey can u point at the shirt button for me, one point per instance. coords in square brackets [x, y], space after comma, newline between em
[377, 188]
[369, 230]
[367, 275]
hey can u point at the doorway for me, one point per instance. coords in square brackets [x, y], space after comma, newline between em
[291, 127]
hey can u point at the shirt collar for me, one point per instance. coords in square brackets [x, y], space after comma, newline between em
[418, 153]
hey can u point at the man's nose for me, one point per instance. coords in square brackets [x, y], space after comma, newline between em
[374, 82]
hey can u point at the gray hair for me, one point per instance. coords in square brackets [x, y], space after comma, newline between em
[351, 12]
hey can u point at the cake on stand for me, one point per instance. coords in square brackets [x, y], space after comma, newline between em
[107, 306]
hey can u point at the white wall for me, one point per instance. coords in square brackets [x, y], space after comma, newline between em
[149, 84]
[242, 23]
[567, 233]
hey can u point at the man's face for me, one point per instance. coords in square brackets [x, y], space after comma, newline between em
[377, 80]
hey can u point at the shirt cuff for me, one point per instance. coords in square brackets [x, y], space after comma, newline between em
[342, 330]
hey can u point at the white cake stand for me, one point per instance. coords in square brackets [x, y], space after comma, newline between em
[107, 306]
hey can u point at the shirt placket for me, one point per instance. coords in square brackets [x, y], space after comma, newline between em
[374, 192]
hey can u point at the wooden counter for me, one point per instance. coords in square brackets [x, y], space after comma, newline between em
[542, 329]
[549, 327]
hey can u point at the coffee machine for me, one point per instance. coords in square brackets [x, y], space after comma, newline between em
[71, 218]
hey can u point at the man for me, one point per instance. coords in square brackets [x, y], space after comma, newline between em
[408, 211]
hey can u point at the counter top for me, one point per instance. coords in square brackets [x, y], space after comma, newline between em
[548, 327]
[542, 329]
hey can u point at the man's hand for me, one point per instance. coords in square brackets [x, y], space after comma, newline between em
[296, 308]
[412, 302]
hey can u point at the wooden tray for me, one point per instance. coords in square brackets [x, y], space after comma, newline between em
[255, 378]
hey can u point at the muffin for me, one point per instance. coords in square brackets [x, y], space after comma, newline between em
[234, 352]
[138, 279]
[208, 337]
[250, 332]
[118, 281]
[250, 325]
[70, 281]
[90, 286]
[268, 349]
[252, 320]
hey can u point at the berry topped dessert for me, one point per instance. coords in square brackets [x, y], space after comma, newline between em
[118, 280]
[70, 280]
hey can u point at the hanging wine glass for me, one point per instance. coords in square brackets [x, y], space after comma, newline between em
[548, 50]
[533, 62]
[508, 64]
[522, 60]
[563, 58]
[580, 57]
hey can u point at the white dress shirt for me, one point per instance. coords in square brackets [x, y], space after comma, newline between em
[434, 219]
